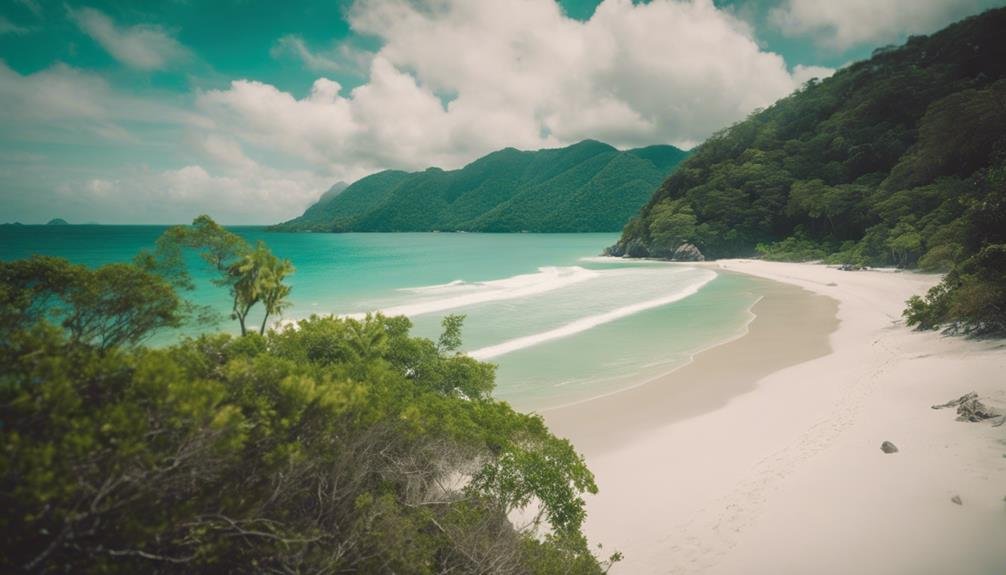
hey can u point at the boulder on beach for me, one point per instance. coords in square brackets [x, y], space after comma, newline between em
[888, 447]
[688, 253]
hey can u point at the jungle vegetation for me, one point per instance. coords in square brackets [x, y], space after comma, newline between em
[899, 160]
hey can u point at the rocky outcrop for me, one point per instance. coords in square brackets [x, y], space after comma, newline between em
[688, 253]
[635, 248]
[632, 249]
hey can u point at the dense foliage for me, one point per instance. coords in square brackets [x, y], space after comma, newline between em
[336, 446]
[116, 305]
[587, 187]
[897, 160]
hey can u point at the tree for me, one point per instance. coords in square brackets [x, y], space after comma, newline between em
[905, 244]
[450, 338]
[833, 205]
[274, 291]
[251, 276]
[111, 306]
[671, 224]
[258, 277]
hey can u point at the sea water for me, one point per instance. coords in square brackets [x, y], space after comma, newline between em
[562, 324]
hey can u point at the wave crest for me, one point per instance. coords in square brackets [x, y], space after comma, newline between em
[586, 323]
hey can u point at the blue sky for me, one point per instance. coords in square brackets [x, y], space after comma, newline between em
[121, 112]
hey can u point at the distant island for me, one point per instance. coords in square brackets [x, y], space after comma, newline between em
[57, 222]
[586, 187]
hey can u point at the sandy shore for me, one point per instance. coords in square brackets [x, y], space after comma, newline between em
[763, 454]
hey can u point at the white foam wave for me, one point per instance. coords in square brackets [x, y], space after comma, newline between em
[449, 286]
[629, 261]
[585, 323]
[524, 285]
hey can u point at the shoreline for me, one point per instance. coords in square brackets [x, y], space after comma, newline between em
[762, 454]
[667, 398]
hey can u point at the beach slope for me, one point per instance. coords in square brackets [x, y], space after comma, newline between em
[763, 455]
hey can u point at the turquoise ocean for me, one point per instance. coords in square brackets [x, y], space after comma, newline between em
[562, 324]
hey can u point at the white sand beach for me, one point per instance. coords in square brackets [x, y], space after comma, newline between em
[763, 455]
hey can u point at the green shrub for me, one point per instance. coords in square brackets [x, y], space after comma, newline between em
[793, 249]
[336, 445]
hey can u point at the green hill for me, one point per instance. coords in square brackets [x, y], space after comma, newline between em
[586, 187]
[897, 160]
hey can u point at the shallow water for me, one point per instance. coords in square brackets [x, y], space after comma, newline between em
[562, 324]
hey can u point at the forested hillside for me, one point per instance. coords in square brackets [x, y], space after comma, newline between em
[897, 160]
[586, 187]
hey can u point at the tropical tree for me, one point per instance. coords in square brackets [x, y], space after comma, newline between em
[367, 338]
[251, 275]
[273, 291]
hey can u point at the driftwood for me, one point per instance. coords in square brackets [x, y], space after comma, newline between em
[969, 408]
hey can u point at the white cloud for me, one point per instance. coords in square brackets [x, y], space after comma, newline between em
[64, 99]
[343, 57]
[76, 110]
[242, 191]
[143, 195]
[54, 94]
[144, 47]
[841, 25]
[453, 80]
[456, 79]
[227, 153]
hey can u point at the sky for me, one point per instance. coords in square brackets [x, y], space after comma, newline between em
[120, 112]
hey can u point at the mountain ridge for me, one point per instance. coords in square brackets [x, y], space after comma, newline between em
[589, 186]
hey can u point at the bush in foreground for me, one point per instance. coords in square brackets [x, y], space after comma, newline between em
[336, 446]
